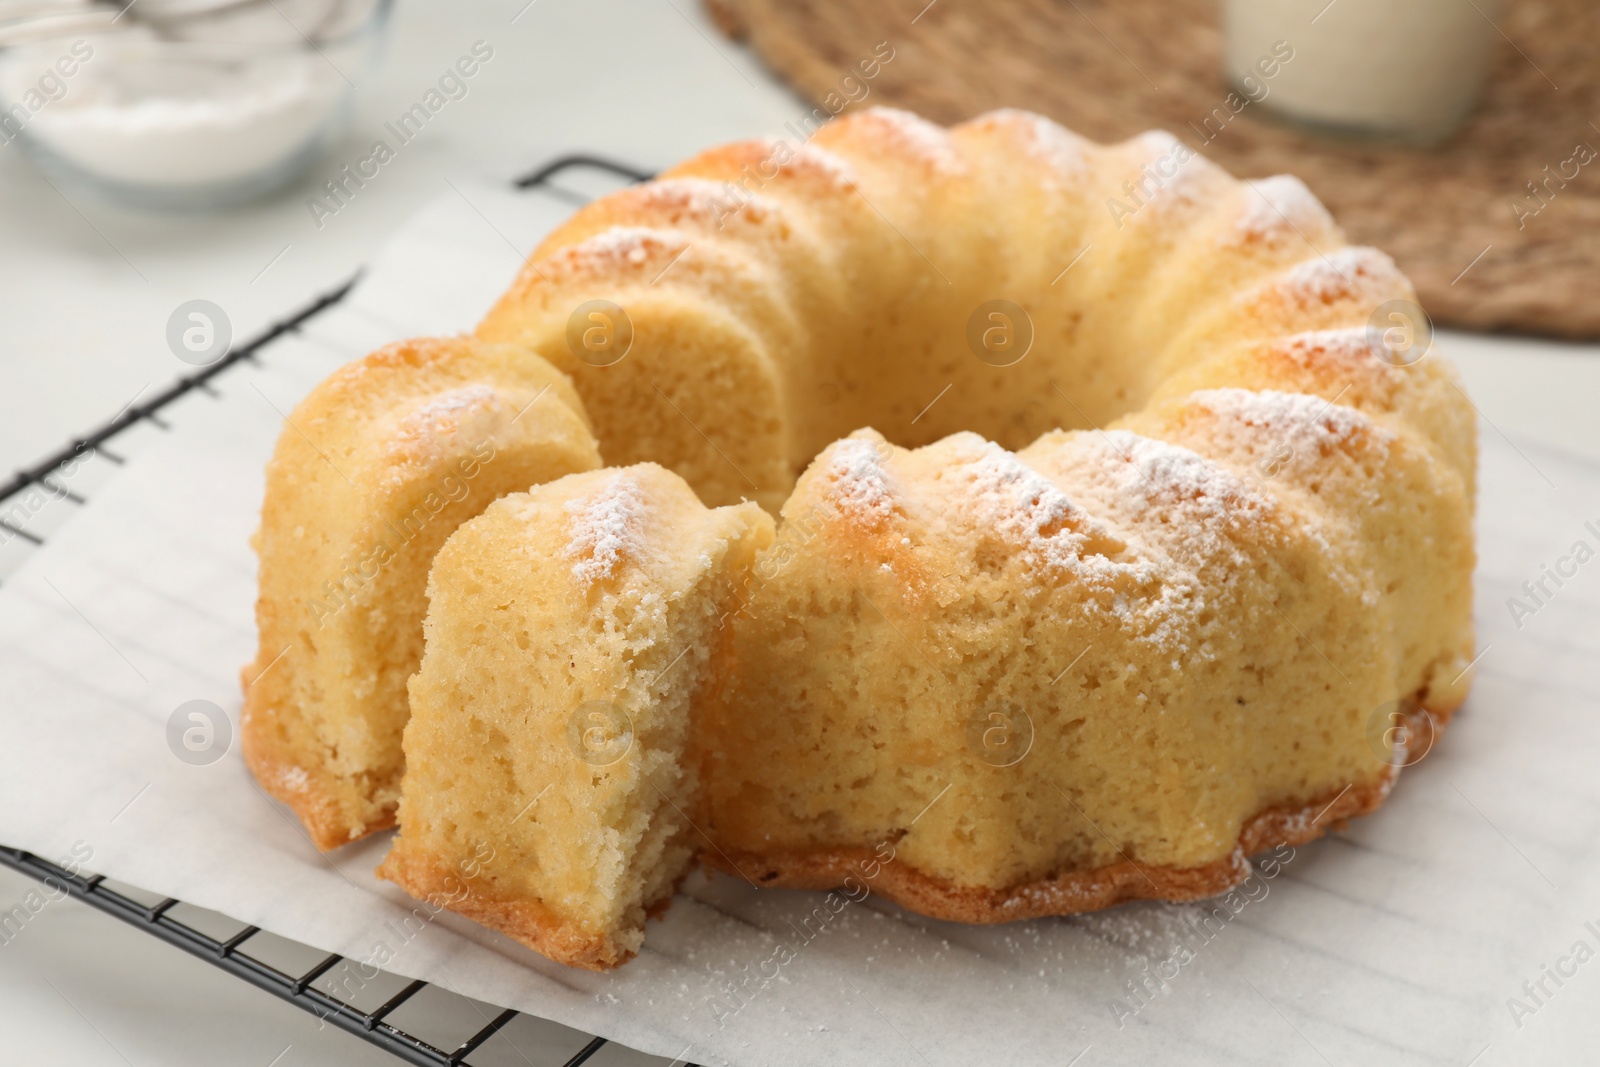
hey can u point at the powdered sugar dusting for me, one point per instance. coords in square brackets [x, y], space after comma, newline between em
[1279, 207]
[423, 430]
[1347, 346]
[830, 163]
[1153, 474]
[1006, 496]
[1352, 273]
[703, 199]
[915, 132]
[1169, 176]
[604, 528]
[619, 245]
[1156, 143]
[1197, 509]
[1144, 930]
[442, 413]
[1302, 422]
[861, 485]
[1063, 150]
[292, 779]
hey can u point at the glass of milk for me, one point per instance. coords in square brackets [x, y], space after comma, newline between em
[190, 103]
[1397, 70]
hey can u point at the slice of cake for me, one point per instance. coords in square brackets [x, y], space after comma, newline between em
[573, 632]
[372, 471]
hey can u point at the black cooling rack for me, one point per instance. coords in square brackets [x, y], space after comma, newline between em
[310, 987]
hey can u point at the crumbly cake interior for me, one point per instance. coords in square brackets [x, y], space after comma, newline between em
[572, 632]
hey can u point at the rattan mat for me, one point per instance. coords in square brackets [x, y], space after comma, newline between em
[1112, 68]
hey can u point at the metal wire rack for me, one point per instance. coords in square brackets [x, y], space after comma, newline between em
[228, 944]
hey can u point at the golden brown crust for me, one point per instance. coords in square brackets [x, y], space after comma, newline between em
[361, 518]
[533, 925]
[308, 792]
[525, 921]
[1074, 891]
[1064, 894]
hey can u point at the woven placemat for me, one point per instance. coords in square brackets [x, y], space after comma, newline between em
[1113, 68]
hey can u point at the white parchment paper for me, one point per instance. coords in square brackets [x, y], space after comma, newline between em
[1444, 928]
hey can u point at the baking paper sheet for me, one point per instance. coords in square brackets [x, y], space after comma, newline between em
[1459, 922]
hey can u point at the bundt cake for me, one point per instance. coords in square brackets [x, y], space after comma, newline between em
[372, 471]
[573, 634]
[1108, 534]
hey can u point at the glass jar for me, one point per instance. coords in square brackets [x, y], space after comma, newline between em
[1398, 70]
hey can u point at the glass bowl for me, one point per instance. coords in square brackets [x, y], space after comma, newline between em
[197, 103]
